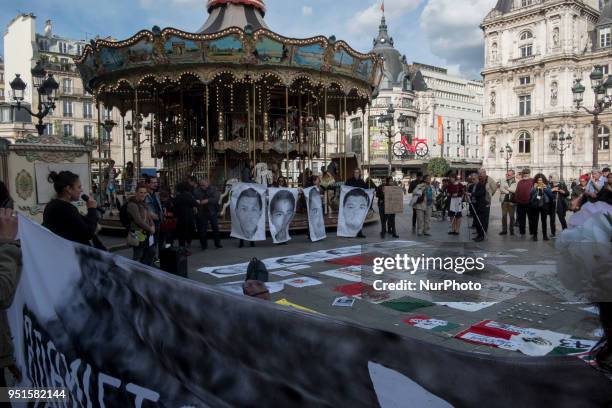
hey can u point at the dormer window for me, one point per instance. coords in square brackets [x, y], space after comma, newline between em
[604, 37]
[525, 3]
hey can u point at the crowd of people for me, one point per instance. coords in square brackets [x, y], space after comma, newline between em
[528, 204]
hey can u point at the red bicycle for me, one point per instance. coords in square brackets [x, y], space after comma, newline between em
[418, 147]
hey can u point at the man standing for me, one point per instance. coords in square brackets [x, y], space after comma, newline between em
[477, 193]
[594, 185]
[154, 206]
[491, 188]
[522, 197]
[246, 175]
[422, 202]
[357, 181]
[411, 187]
[507, 190]
[208, 196]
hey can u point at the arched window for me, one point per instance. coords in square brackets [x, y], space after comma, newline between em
[604, 138]
[524, 141]
[526, 35]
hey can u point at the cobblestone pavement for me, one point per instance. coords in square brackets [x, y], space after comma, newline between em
[519, 277]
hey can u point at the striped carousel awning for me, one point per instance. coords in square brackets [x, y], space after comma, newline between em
[234, 13]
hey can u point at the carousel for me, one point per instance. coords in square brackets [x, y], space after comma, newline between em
[231, 94]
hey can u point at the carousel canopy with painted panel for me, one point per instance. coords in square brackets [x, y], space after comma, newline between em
[241, 90]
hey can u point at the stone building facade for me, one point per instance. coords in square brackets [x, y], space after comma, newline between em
[535, 50]
[76, 113]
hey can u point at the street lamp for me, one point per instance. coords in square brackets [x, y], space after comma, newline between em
[561, 144]
[389, 120]
[506, 153]
[108, 126]
[45, 84]
[603, 100]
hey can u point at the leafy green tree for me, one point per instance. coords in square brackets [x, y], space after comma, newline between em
[438, 167]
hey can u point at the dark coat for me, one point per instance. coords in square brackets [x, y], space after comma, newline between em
[184, 203]
[353, 182]
[63, 219]
[212, 195]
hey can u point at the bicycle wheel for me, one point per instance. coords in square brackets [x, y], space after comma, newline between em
[399, 150]
[421, 149]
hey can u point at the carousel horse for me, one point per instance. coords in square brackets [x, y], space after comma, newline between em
[223, 203]
[262, 174]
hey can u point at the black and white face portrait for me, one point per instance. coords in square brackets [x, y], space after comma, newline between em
[248, 212]
[281, 212]
[316, 222]
[354, 206]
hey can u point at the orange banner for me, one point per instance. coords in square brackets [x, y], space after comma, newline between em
[440, 131]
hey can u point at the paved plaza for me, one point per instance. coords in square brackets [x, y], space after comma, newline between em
[519, 277]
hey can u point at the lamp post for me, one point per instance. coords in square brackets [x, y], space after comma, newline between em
[561, 144]
[389, 120]
[46, 85]
[506, 154]
[603, 100]
[128, 133]
[108, 126]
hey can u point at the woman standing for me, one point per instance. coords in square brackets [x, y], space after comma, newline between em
[605, 194]
[540, 201]
[142, 228]
[455, 191]
[184, 207]
[5, 197]
[558, 206]
[62, 218]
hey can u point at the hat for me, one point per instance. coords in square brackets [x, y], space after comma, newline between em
[584, 177]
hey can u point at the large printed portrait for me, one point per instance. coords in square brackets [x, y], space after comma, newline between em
[248, 211]
[282, 206]
[354, 206]
[314, 205]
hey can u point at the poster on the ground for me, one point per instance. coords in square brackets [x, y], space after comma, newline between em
[281, 211]
[314, 206]
[394, 200]
[354, 206]
[248, 211]
[116, 333]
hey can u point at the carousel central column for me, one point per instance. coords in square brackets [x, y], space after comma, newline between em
[287, 128]
[344, 113]
[208, 152]
[254, 123]
[137, 134]
[325, 129]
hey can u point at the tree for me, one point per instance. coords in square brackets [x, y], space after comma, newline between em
[438, 167]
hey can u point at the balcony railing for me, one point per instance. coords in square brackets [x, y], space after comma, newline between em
[71, 91]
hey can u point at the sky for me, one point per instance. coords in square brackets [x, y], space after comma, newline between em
[444, 33]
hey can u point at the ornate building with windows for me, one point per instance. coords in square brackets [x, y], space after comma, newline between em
[76, 113]
[535, 50]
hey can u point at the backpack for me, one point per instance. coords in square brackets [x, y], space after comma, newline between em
[124, 217]
[256, 270]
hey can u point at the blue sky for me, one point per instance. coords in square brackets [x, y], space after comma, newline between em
[438, 32]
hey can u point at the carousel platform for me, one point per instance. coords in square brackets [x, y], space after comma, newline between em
[111, 225]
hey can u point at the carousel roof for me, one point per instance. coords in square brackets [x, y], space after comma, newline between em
[224, 14]
[234, 40]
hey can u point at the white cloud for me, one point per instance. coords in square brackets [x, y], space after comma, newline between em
[452, 27]
[367, 20]
[306, 10]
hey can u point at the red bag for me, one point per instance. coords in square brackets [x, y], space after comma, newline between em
[168, 225]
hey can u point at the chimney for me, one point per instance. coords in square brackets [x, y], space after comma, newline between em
[48, 27]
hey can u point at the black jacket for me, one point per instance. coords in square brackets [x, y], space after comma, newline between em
[353, 182]
[63, 219]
